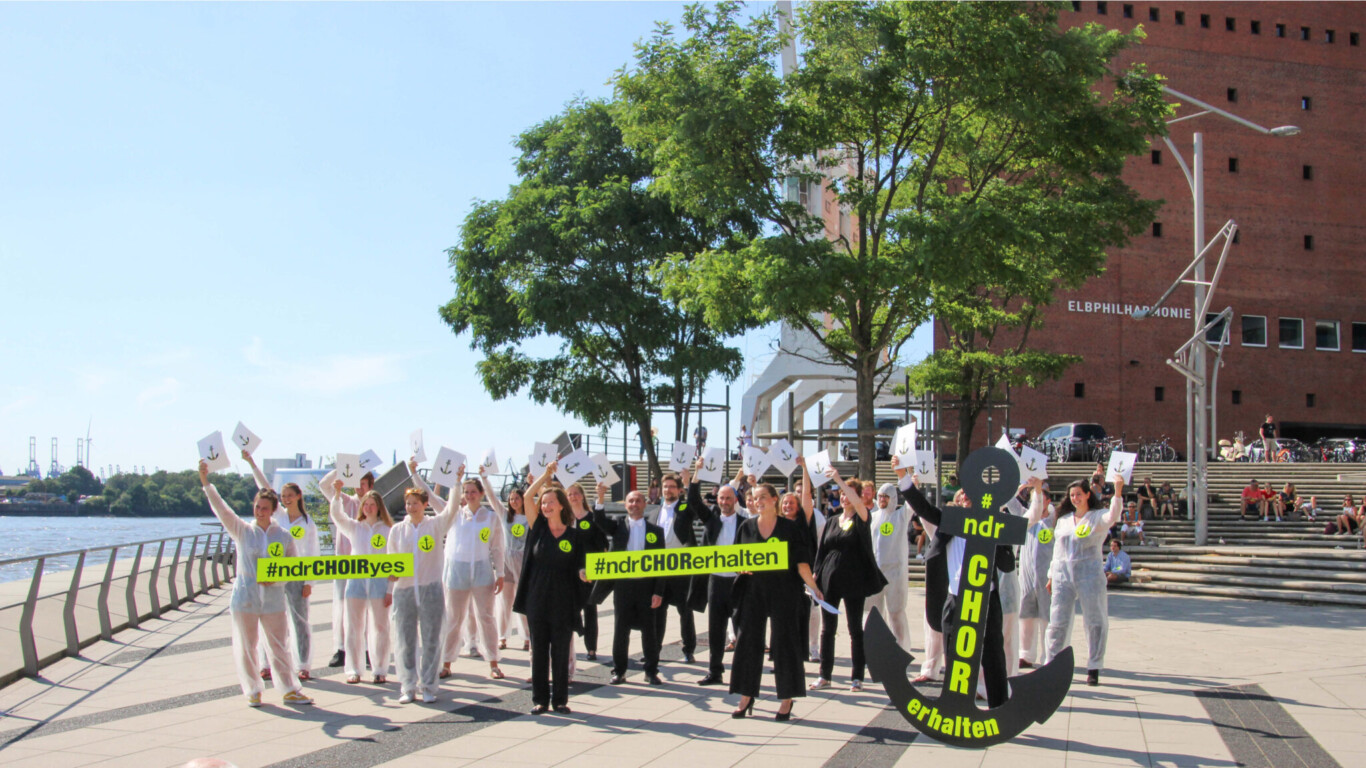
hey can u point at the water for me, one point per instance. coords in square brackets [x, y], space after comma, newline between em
[25, 536]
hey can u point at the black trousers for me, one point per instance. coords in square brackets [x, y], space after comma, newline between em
[993, 670]
[760, 609]
[590, 626]
[549, 660]
[853, 619]
[676, 594]
[718, 616]
[936, 587]
[633, 611]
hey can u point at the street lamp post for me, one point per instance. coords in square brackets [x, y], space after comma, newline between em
[1198, 409]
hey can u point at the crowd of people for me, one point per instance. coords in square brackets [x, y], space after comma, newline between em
[484, 572]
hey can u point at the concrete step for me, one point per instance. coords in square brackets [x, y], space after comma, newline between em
[1259, 582]
[1251, 593]
[1352, 565]
[1310, 575]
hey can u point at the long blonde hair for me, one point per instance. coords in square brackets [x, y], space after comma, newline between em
[379, 504]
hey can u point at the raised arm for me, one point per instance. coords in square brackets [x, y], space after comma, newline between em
[336, 512]
[804, 494]
[433, 498]
[1038, 500]
[1116, 503]
[261, 483]
[532, 497]
[855, 500]
[696, 504]
[600, 517]
[494, 502]
[922, 506]
[233, 524]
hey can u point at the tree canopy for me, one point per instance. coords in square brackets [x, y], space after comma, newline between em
[965, 159]
[570, 255]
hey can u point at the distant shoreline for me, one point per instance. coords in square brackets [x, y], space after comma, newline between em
[75, 510]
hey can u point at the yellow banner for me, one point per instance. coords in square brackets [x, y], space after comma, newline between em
[689, 561]
[333, 567]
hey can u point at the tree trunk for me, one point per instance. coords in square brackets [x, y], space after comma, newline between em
[651, 455]
[864, 378]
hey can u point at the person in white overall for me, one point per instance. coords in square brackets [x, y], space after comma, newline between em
[475, 558]
[1078, 572]
[1036, 556]
[341, 546]
[367, 600]
[419, 610]
[891, 546]
[257, 606]
[293, 518]
[517, 530]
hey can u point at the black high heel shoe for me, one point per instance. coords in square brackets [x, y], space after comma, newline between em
[783, 717]
[744, 711]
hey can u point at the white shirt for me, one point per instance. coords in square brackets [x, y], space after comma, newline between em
[665, 520]
[636, 541]
[729, 524]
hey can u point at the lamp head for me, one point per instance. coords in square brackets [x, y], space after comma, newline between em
[1286, 130]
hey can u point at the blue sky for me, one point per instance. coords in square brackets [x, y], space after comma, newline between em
[214, 212]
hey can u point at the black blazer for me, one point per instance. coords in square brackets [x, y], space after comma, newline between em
[619, 535]
[691, 507]
[1005, 554]
[711, 530]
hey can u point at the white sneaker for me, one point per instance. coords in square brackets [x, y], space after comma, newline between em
[406, 698]
[428, 698]
[855, 685]
[254, 700]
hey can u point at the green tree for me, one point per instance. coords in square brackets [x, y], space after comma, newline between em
[570, 254]
[975, 149]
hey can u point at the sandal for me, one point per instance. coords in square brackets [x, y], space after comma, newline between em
[352, 680]
[379, 680]
[503, 644]
[445, 671]
[496, 673]
[304, 675]
[526, 645]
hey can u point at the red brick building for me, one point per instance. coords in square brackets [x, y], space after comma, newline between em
[1295, 278]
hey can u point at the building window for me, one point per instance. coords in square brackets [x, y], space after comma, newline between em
[1308, 173]
[1157, 229]
[1326, 336]
[1359, 337]
[1233, 165]
[1157, 157]
[1280, 30]
[1079, 389]
[1237, 235]
[1254, 331]
[1154, 15]
[1309, 400]
[1304, 33]
[1230, 24]
[1256, 27]
[1128, 11]
[1076, 5]
[1159, 394]
[1204, 21]
[1180, 18]
[1233, 95]
[1218, 333]
[1329, 36]
[1306, 103]
[1292, 333]
[1237, 397]
[1308, 242]
[1102, 8]
[1354, 38]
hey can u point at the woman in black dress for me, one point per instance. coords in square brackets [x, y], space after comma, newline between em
[846, 570]
[548, 592]
[771, 599]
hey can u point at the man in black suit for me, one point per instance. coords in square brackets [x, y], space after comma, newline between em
[675, 517]
[719, 531]
[634, 600]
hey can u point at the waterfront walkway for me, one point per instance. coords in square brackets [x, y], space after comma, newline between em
[1191, 681]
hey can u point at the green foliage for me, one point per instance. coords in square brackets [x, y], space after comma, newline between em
[975, 147]
[570, 255]
[170, 494]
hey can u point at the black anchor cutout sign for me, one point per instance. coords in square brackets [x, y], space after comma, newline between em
[953, 717]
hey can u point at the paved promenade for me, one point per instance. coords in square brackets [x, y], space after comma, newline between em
[1191, 681]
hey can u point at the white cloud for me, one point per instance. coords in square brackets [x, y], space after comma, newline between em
[161, 394]
[329, 375]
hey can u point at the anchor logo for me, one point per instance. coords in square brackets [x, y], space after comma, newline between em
[446, 470]
[572, 468]
[887, 529]
[276, 549]
[785, 454]
[518, 531]
[378, 541]
[650, 537]
[1045, 535]
[542, 461]
[953, 717]
[904, 446]
[426, 543]
[484, 535]
[213, 454]
[245, 440]
[297, 531]
[565, 546]
[711, 464]
[1033, 464]
[346, 471]
[585, 525]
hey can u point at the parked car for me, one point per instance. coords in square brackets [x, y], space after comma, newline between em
[888, 424]
[1071, 441]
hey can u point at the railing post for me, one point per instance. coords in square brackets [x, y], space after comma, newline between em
[26, 621]
[132, 584]
[73, 641]
[189, 570]
[170, 578]
[152, 581]
[219, 568]
[107, 626]
[204, 565]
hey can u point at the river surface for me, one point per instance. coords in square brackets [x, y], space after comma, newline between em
[25, 536]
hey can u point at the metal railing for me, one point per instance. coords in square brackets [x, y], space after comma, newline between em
[209, 556]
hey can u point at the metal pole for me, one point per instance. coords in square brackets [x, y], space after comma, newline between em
[1200, 420]
[129, 596]
[106, 626]
[820, 426]
[26, 641]
[73, 640]
[152, 581]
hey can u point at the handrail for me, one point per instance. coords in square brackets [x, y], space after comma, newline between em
[217, 552]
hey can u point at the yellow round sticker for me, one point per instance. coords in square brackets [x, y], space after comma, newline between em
[426, 543]
[518, 530]
[297, 531]
[846, 524]
[378, 541]
[887, 529]
[650, 537]
[276, 549]
[565, 546]
[585, 525]
[1045, 535]
[1083, 530]
[484, 535]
